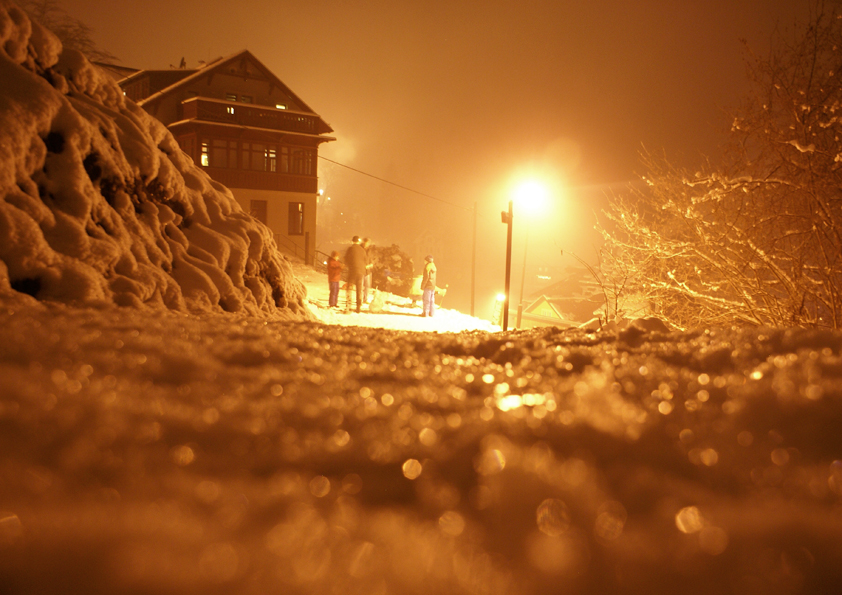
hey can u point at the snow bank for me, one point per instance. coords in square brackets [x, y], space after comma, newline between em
[100, 206]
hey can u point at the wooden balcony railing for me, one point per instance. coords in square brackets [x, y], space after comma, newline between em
[263, 180]
[244, 114]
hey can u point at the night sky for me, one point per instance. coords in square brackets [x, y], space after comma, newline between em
[454, 102]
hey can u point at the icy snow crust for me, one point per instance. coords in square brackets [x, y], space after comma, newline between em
[173, 454]
[100, 206]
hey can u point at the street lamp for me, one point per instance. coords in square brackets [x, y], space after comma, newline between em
[530, 196]
[507, 219]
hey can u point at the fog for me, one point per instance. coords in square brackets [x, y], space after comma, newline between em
[455, 101]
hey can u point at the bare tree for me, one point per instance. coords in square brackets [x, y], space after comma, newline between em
[756, 239]
[72, 32]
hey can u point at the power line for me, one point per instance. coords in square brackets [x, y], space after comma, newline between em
[395, 184]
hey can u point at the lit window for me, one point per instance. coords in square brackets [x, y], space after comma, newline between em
[230, 97]
[205, 159]
[280, 106]
[230, 110]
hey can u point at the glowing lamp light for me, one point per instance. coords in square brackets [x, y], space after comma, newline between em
[531, 196]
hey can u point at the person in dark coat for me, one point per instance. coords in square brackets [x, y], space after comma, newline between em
[334, 276]
[356, 261]
[428, 287]
[368, 270]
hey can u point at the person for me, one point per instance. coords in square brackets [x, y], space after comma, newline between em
[334, 276]
[356, 261]
[368, 268]
[428, 287]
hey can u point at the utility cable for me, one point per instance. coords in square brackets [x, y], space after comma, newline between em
[395, 185]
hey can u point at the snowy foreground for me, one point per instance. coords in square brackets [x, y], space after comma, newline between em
[172, 453]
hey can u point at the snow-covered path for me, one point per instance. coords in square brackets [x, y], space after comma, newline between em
[164, 453]
[398, 313]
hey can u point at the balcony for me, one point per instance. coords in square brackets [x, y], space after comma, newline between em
[263, 180]
[254, 116]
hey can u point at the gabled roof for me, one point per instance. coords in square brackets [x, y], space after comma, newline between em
[158, 79]
[115, 71]
[543, 303]
[238, 63]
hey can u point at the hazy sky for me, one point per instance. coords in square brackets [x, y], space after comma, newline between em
[457, 99]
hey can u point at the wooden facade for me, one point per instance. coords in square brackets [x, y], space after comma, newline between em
[248, 131]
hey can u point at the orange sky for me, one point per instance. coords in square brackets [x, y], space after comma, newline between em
[455, 99]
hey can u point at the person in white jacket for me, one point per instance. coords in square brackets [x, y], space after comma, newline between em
[428, 287]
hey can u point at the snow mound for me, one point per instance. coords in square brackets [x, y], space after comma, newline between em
[100, 206]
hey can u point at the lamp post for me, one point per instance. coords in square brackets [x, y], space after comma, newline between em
[530, 195]
[474, 261]
[507, 219]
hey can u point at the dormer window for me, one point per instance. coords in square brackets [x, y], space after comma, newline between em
[230, 97]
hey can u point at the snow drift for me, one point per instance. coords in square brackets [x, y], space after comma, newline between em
[100, 206]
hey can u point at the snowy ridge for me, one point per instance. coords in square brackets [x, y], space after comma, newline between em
[100, 206]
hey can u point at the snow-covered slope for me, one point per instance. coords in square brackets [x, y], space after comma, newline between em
[100, 206]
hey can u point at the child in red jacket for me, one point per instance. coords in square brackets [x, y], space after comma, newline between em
[334, 276]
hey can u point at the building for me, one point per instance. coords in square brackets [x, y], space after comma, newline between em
[572, 300]
[250, 132]
[542, 312]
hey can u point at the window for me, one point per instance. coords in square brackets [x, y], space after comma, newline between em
[219, 153]
[280, 106]
[258, 209]
[230, 110]
[258, 157]
[232, 154]
[284, 160]
[301, 161]
[230, 97]
[246, 99]
[296, 219]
